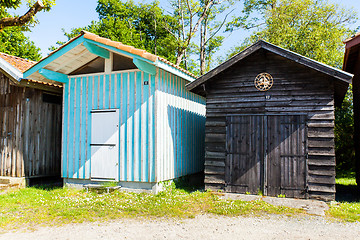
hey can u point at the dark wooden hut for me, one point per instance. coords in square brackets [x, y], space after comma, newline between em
[30, 124]
[270, 123]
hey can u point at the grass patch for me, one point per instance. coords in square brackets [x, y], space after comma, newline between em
[346, 181]
[35, 206]
[347, 194]
[346, 211]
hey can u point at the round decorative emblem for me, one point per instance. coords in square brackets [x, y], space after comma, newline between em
[263, 81]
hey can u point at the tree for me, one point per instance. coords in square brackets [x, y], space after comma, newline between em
[141, 26]
[209, 41]
[14, 42]
[191, 15]
[315, 29]
[6, 20]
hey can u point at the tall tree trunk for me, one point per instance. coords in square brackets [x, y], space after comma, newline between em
[203, 40]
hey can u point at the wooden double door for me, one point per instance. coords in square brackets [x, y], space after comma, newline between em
[266, 154]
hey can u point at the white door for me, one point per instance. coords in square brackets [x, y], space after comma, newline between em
[104, 144]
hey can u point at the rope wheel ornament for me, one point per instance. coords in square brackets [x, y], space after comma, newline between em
[263, 81]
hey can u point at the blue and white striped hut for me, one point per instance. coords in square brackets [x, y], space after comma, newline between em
[127, 116]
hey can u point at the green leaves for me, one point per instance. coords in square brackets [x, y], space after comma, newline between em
[313, 28]
[140, 25]
[14, 42]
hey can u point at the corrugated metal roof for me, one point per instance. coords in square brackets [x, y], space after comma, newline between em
[19, 63]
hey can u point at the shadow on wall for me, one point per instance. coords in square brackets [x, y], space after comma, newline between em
[188, 141]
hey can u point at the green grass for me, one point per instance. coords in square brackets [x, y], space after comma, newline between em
[348, 209]
[33, 206]
[346, 181]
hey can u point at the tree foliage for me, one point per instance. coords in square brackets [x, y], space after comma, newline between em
[344, 135]
[141, 26]
[12, 39]
[27, 19]
[14, 42]
[313, 28]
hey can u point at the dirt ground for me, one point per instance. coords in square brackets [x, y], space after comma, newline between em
[204, 227]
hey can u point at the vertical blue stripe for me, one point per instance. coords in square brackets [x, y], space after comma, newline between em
[113, 87]
[101, 92]
[65, 129]
[146, 103]
[152, 81]
[88, 114]
[125, 114]
[121, 137]
[132, 124]
[107, 90]
[178, 128]
[96, 95]
[71, 128]
[83, 127]
[139, 85]
[77, 127]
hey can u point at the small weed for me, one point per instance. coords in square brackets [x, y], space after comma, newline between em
[281, 196]
[247, 193]
[260, 192]
[110, 184]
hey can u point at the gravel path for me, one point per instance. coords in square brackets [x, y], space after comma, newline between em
[204, 227]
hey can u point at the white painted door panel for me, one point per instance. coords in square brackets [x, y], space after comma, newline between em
[104, 144]
[104, 127]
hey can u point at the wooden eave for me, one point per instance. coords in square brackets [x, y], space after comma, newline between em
[335, 73]
[352, 51]
[86, 47]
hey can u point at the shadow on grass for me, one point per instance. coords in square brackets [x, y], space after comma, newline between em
[46, 183]
[347, 193]
[191, 183]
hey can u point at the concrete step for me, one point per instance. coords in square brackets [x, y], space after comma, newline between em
[18, 181]
[4, 180]
[8, 186]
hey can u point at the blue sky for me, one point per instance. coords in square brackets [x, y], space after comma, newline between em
[68, 14]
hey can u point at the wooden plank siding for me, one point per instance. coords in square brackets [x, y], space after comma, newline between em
[296, 90]
[30, 132]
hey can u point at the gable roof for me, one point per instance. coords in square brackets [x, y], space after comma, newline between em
[19, 63]
[76, 53]
[14, 66]
[315, 65]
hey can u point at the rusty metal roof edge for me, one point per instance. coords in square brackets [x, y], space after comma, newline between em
[12, 71]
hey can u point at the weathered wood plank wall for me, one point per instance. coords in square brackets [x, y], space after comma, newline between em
[30, 132]
[297, 89]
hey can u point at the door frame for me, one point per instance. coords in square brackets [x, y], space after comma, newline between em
[117, 145]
